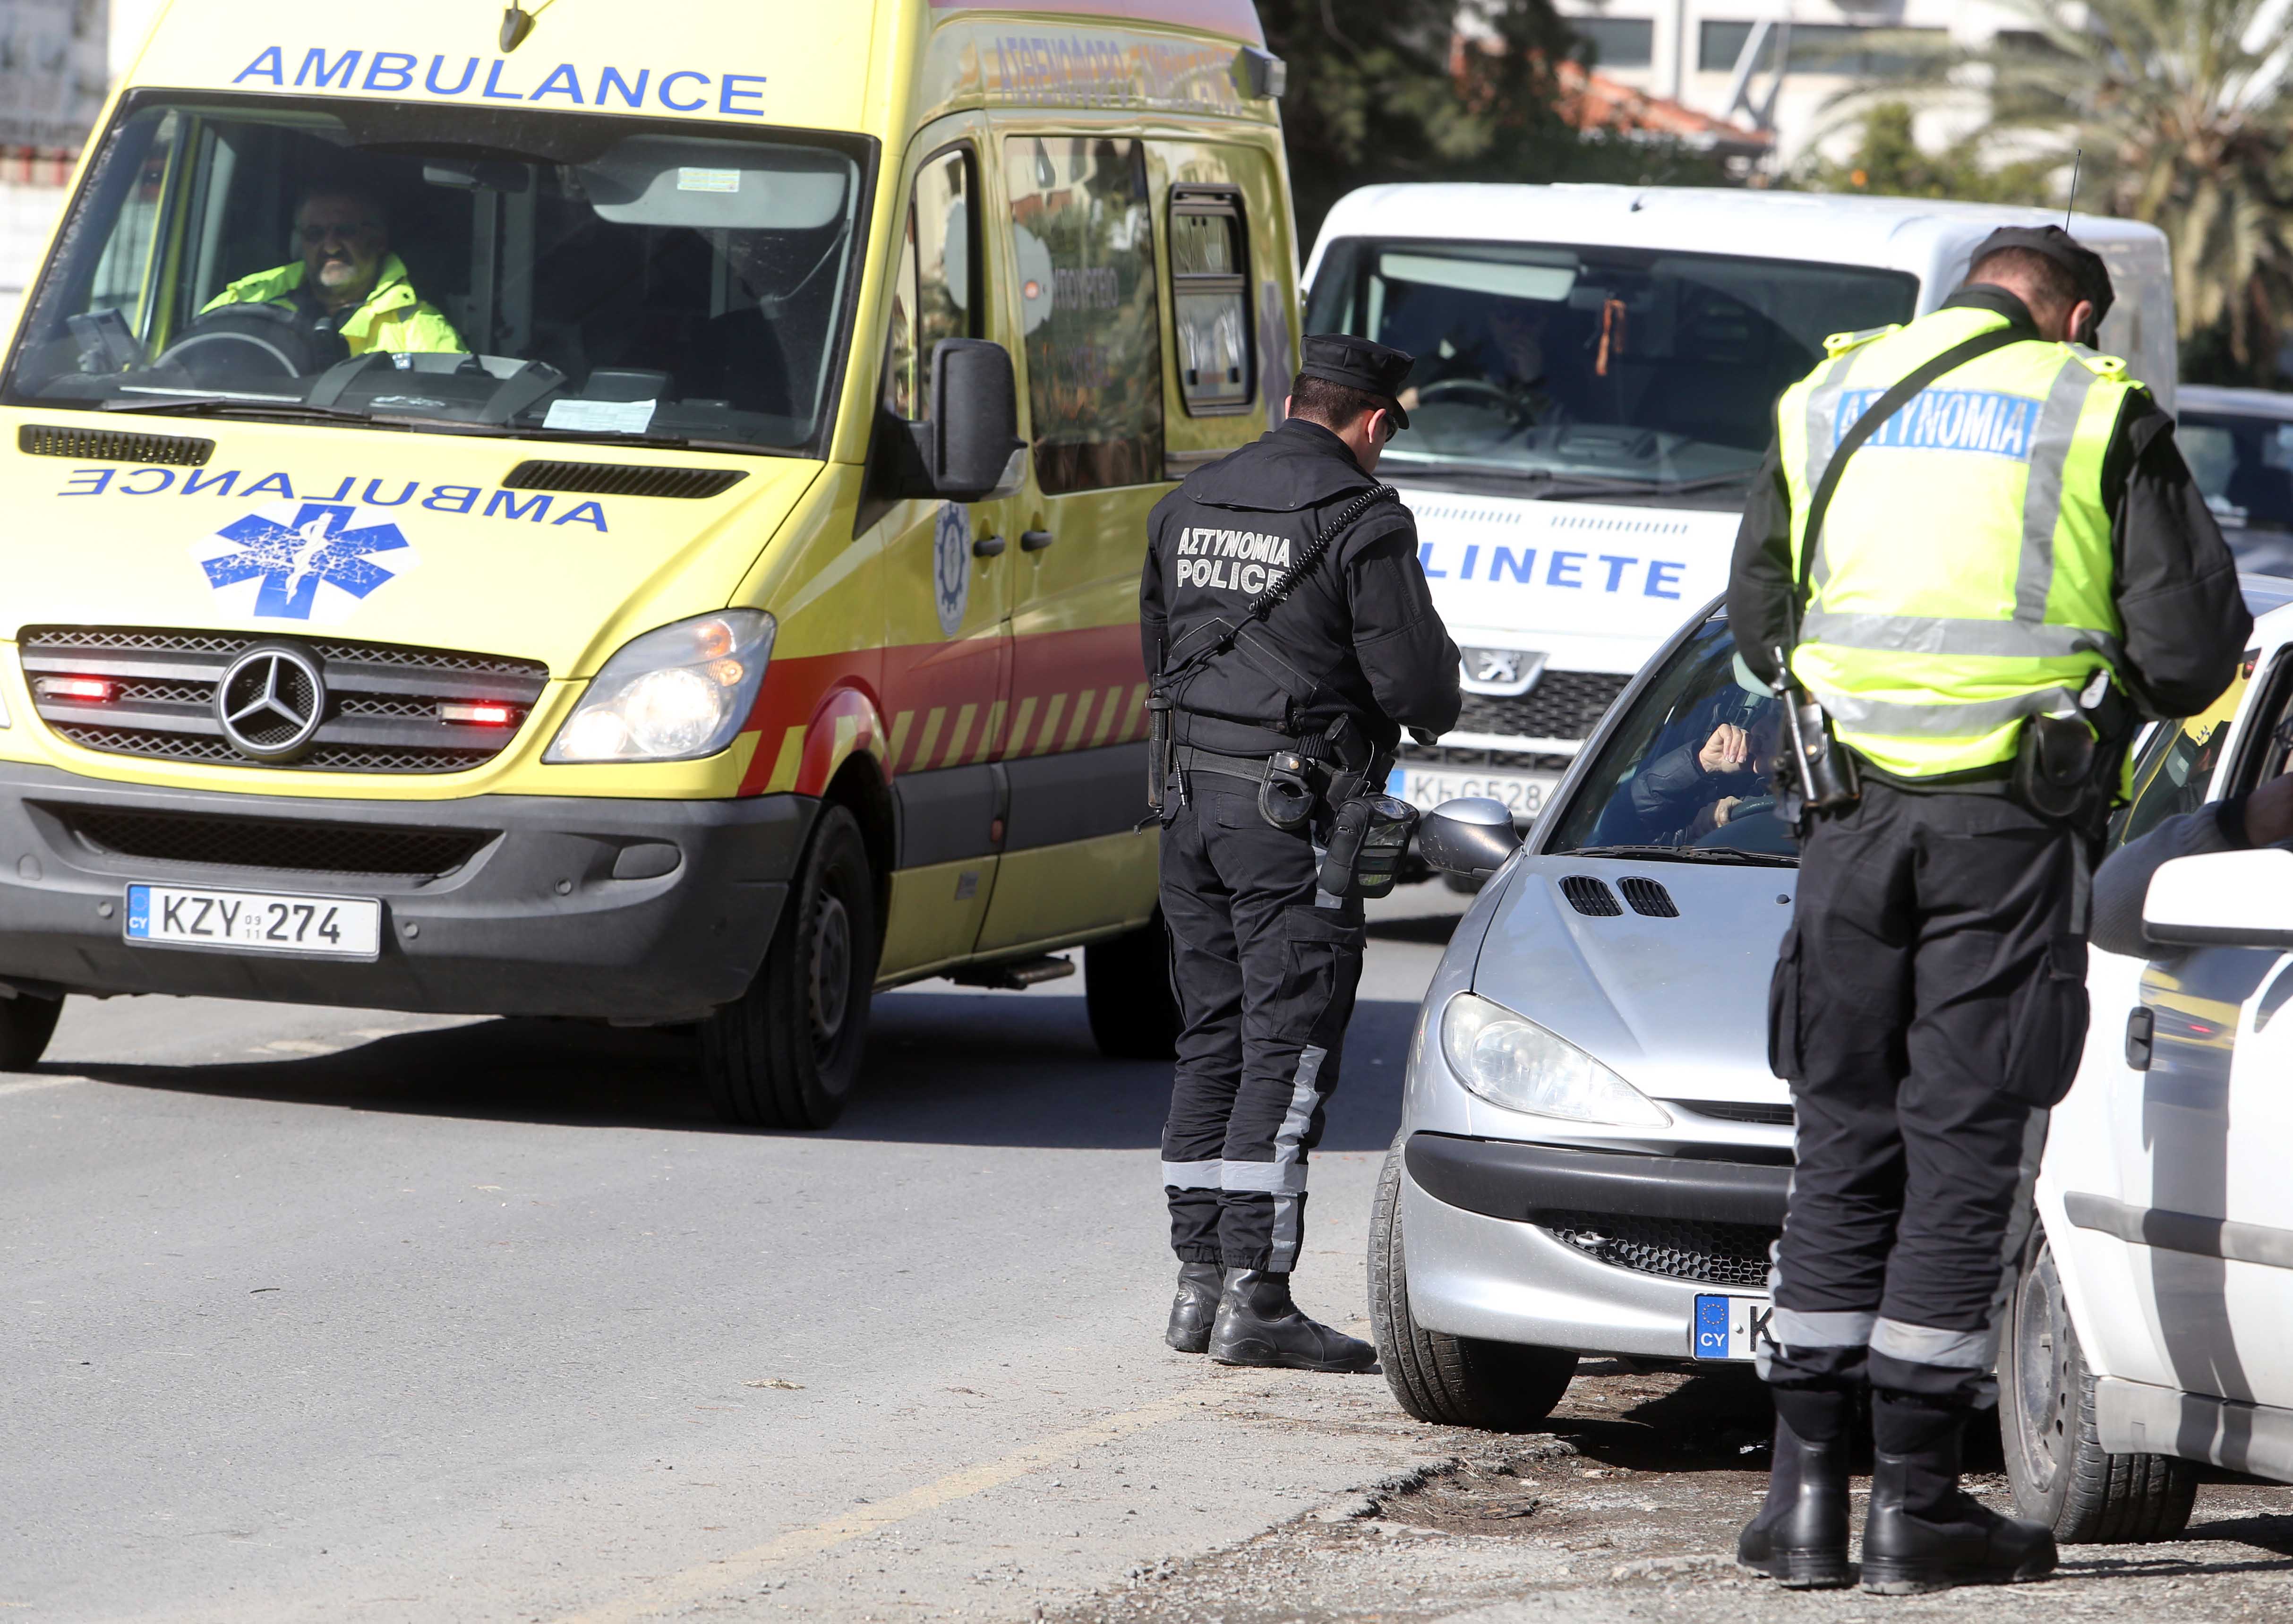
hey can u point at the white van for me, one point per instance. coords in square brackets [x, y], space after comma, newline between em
[1597, 368]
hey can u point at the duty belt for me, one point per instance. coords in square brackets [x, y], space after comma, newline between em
[1194, 758]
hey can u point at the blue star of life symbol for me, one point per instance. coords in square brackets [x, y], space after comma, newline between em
[292, 560]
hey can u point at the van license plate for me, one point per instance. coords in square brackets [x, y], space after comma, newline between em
[1522, 794]
[1727, 1327]
[253, 921]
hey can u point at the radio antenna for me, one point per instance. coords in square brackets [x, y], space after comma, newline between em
[2077, 157]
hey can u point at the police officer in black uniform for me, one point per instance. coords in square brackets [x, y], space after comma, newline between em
[1265, 961]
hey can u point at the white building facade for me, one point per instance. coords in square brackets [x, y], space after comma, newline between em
[1722, 57]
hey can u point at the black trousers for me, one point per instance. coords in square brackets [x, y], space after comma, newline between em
[1929, 1005]
[1266, 985]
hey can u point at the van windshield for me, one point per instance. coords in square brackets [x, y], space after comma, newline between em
[1689, 771]
[541, 275]
[1590, 370]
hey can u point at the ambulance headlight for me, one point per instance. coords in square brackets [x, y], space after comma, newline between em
[676, 693]
[1513, 1062]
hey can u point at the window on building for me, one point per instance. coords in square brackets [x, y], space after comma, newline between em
[1209, 300]
[1815, 47]
[1617, 42]
[1084, 242]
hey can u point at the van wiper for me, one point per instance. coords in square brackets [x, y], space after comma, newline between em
[1600, 485]
[1689, 854]
[672, 442]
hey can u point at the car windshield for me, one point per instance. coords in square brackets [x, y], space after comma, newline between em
[1689, 771]
[544, 275]
[2244, 466]
[1587, 368]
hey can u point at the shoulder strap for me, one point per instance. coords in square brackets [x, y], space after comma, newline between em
[1871, 422]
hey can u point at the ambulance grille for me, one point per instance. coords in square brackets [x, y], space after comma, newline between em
[382, 700]
[623, 479]
[1563, 705]
[1678, 1248]
[113, 445]
[282, 846]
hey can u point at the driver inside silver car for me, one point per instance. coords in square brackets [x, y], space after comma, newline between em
[348, 283]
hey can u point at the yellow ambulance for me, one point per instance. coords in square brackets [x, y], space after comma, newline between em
[624, 513]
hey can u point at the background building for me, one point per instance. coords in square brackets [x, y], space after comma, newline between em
[1719, 58]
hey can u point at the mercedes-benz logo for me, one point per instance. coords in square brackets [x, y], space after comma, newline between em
[271, 701]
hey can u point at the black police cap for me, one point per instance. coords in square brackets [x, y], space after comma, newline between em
[2084, 264]
[1359, 363]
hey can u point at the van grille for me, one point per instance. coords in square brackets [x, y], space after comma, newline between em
[381, 709]
[1678, 1248]
[273, 843]
[1563, 705]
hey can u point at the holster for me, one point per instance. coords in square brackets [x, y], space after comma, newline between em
[1369, 840]
[1159, 706]
[2067, 766]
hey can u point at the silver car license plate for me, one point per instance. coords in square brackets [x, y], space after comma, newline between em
[1522, 794]
[252, 921]
[1728, 1327]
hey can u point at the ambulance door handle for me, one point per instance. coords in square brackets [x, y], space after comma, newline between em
[1035, 541]
[987, 546]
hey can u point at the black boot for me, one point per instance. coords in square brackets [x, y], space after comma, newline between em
[1194, 1307]
[1258, 1324]
[1800, 1536]
[1923, 1533]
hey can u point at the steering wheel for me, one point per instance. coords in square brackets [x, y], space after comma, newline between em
[1482, 393]
[246, 344]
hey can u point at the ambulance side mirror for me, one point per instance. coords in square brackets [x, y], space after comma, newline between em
[971, 448]
[2230, 899]
[1472, 838]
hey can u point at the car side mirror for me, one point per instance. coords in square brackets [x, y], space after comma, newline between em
[2231, 898]
[970, 448]
[1472, 838]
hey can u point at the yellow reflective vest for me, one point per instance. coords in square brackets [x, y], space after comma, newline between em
[1963, 579]
[393, 317]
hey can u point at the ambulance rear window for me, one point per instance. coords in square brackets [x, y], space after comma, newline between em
[544, 275]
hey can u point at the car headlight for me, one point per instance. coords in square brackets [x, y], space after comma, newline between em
[1514, 1062]
[678, 692]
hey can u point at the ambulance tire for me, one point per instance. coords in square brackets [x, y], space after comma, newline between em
[26, 1025]
[1126, 989]
[788, 1053]
[2060, 1475]
[1450, 1381]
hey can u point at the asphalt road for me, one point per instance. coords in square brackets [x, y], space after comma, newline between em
[318, 1314]
[328, 1315]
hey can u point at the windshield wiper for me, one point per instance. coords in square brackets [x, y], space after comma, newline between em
[225, 406]
[1602, 485]
[674, 442]
[1689, 854]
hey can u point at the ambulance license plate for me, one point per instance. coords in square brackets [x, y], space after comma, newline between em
[1726, 1327]
[1522, 794]
[254, 922]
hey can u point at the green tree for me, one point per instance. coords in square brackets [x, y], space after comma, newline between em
[1889, 162]
[1380, 90]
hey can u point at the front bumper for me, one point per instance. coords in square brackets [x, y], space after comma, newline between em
[1480, 1263]
[640, 912]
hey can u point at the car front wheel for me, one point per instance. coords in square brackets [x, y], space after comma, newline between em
[2060, 1474]
[1452, 1381]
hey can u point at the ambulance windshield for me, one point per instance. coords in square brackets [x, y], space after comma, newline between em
[541, 275]
[1593, 371]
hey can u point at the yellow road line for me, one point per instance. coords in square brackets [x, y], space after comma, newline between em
[743, 1567]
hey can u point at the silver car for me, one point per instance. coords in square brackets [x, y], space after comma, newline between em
[1594, 1153]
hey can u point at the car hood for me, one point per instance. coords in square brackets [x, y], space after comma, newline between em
[1676, 1006]
[402, 538]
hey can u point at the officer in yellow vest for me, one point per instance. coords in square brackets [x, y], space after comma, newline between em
[2013, 562]
[348, 282]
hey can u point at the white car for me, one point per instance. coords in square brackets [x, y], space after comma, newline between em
[2151, 1326]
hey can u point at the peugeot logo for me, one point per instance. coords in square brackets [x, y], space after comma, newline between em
[271, 701]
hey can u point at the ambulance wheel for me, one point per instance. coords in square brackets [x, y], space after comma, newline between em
[2060, 1474]
[26, 1025]
[787, 1053]
[1450, 1381]
[1126, 987]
